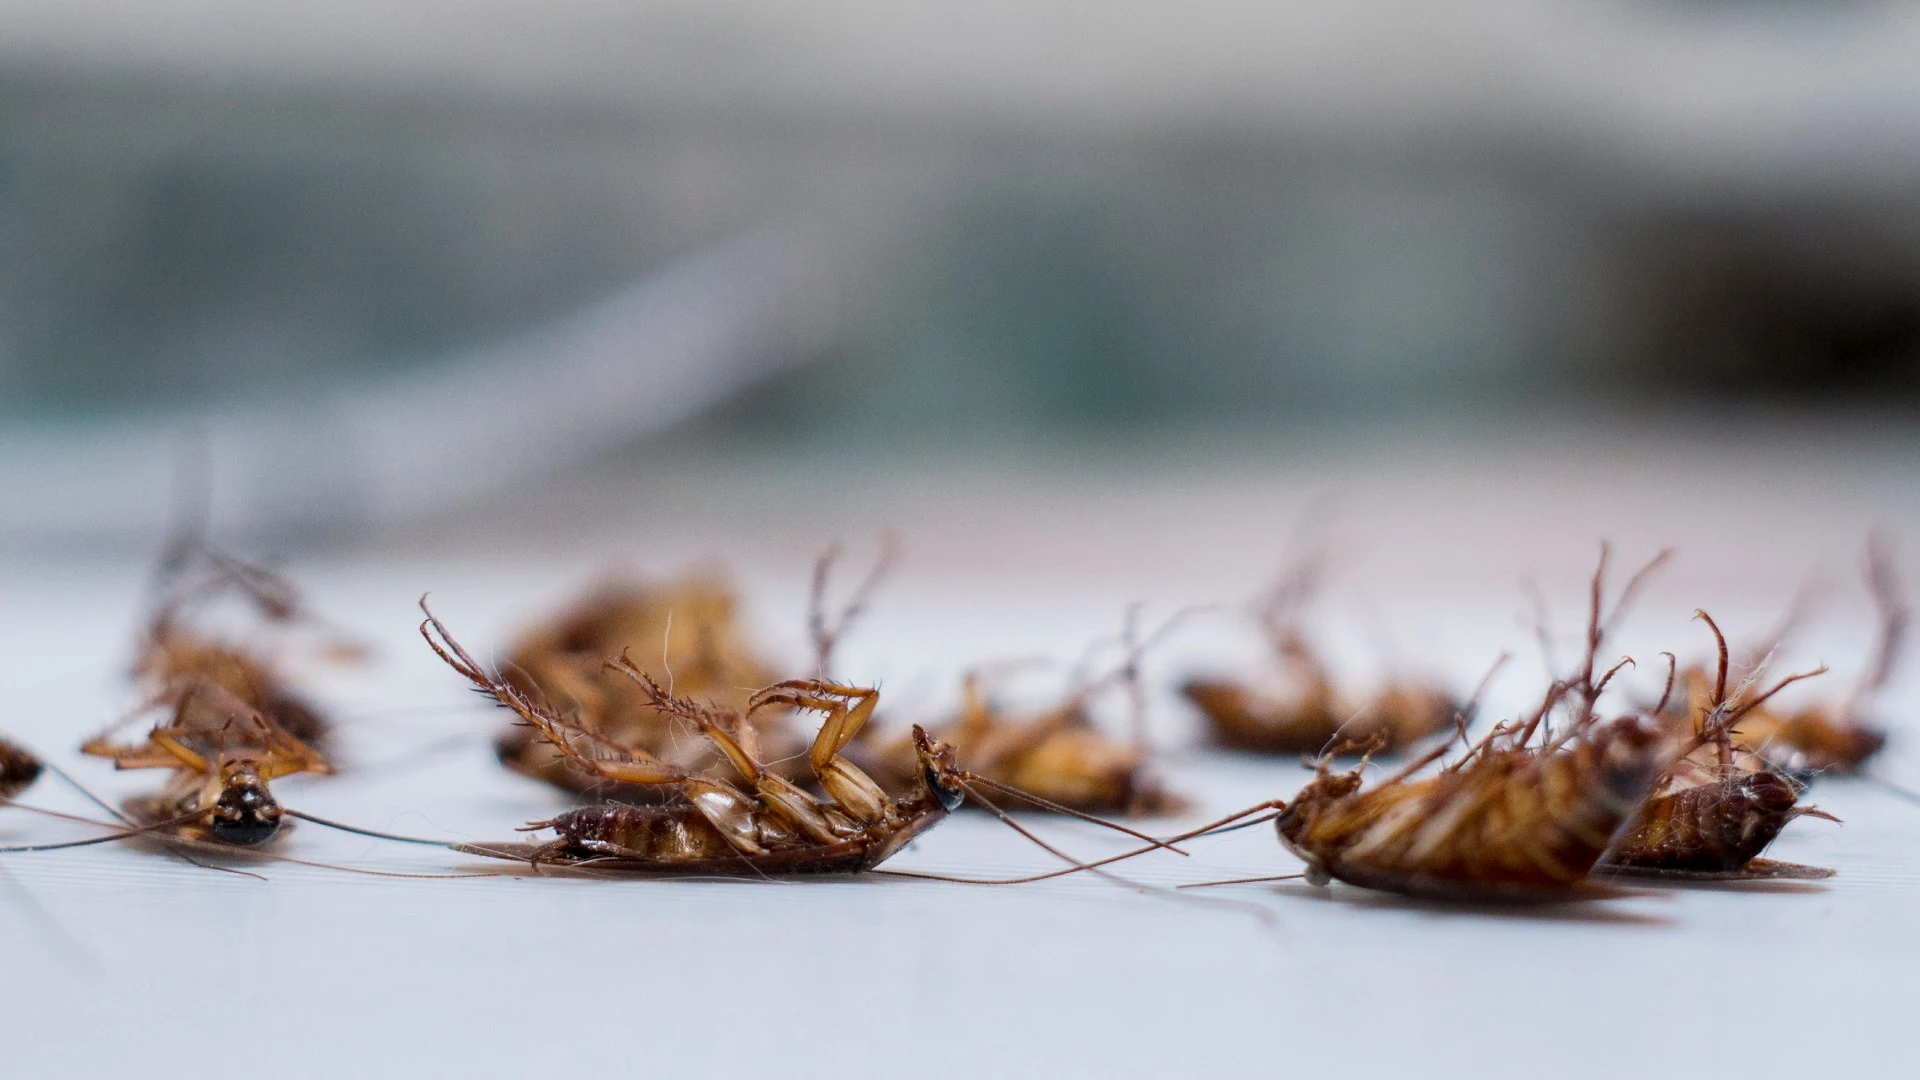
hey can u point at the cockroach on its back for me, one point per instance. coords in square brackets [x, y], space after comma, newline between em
[1711, 816]
[685, 632]
[179, 652]
[223, 754]
[1834, 738]
[1511, 820]
[1305, 712]
[1058, 757]
[773, 827]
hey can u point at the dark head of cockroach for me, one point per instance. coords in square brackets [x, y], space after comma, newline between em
[245, 812]
[938, 770]
[1325, 788]
[18, 770]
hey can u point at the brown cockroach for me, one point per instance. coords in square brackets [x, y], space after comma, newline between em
[223, 753]
[715, 827]
[1505, 823]
[18, 770]
[179, 654]
[1303, 711]
[689, 624]
[1059, 754]
[1717, 808]
[1834, 738]
[1059, 757]
[1511, 820]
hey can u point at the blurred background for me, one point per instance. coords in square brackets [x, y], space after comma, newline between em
[398, 272]
[1085, 303]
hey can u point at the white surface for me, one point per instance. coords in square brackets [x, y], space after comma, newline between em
[158, 969]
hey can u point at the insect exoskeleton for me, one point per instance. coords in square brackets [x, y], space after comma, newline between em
[1504, 824]
[1715, 829]
[1059, 754]
[18, 770]
[187, 645]
[683, 632]
[1834, 737]
[769, 826]
[1298, 708]
[223, 753]
[1717, 807]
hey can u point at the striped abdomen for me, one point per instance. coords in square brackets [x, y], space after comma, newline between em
[666, 833]
[1516, 824]
[1713, 827]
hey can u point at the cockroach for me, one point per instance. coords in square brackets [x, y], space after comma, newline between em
[1302, 711]
[18, 770]
[1711, 816]
[1834, 738]
[179, 653]
[1511, 820]
[773, 828]
[689, 624]
[223, 753]
[1059, 754]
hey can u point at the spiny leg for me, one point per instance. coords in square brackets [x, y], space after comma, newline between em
[853, 789]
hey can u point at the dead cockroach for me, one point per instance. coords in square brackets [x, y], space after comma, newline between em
[775, 827]
[1511, 820]
[1302, 711]
[179, 652]
[1829, 738]
[1059, 754]
[1717, 808]
[689, 624]
[18, 770]
[223, 752]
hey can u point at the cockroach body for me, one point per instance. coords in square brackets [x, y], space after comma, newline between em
[775, 827]
[1303, 712]
[1714, 830]
[1060, 755]
[18, 770]
[176, 655]
[1711, 816]
[223, 754]
[1517, 824]
[1836, 738]
[689, 624]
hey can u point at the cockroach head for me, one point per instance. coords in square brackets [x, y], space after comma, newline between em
[245, 813]
[938, 769]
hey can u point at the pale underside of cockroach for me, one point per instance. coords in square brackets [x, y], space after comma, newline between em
[684, 633]
[773, 828]
[1517, 824]
[1510, 821]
